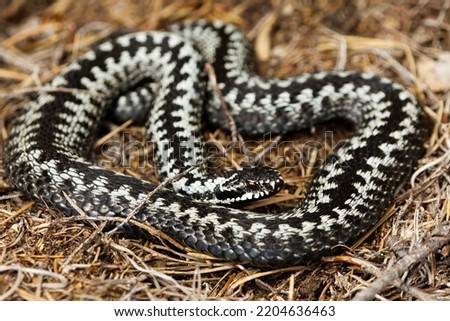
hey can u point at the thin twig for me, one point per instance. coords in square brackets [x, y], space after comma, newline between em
[223, 104]
[372, 269]
[153, 192]
[268, 148]
[440, 237]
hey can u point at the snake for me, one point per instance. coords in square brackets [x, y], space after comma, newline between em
[48, 153]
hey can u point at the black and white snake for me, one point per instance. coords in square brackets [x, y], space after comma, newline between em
[46, 155]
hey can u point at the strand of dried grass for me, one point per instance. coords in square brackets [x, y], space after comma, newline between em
[13, 75]
[48, 27]
[19, 226]
[364, 44]
[263, 43]
[259, 274]
[342, 47]
[190, 10]
[21, 270]
[65, 267]
[11, 9]
[18, 60]
[18, 212]
[113, 132]
[160, 280]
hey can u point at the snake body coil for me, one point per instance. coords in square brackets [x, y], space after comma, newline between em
[48, 149]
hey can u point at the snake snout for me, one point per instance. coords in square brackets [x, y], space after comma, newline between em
[249, 184]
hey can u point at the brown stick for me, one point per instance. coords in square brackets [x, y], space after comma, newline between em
[439, 237]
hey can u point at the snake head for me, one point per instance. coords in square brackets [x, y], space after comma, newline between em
[248, 184]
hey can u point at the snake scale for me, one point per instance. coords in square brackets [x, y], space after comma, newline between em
[47, 155]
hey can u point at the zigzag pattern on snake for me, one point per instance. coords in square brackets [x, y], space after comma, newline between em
[47, 153]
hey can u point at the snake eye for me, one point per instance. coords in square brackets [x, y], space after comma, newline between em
[251, 184]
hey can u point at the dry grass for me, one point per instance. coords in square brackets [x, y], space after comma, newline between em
[44, 256]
